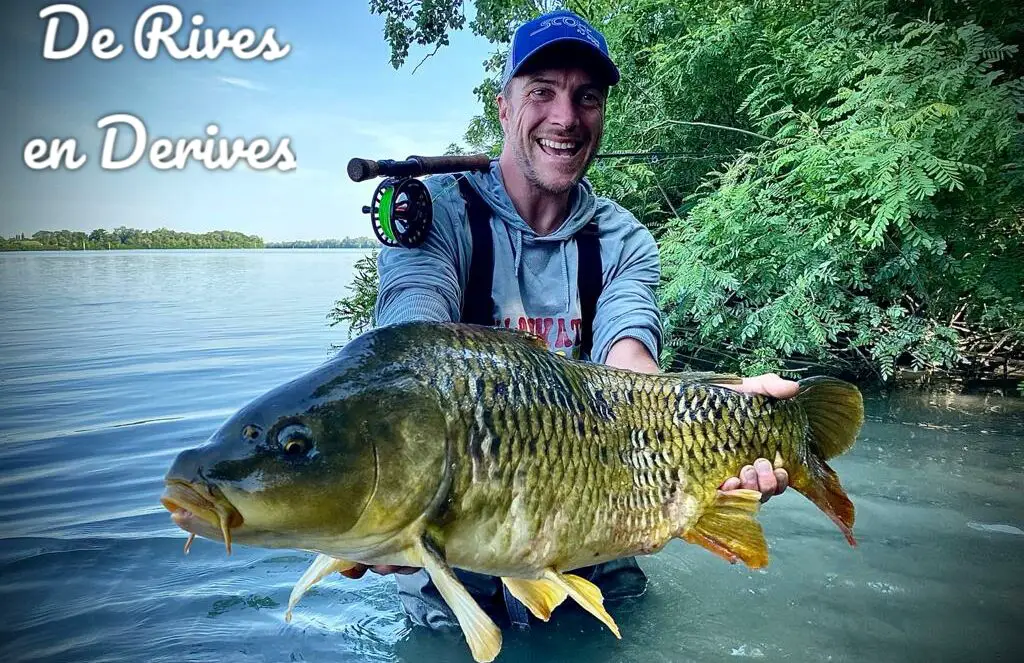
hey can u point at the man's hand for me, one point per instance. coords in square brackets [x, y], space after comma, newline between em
[769, 384]
[359, 570]
[761, 476]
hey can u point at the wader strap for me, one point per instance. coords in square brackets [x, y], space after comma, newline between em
[477, 305]
[589, 281]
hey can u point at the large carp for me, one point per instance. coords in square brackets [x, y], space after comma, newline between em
[453, 446]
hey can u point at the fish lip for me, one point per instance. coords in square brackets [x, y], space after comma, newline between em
[185, 500]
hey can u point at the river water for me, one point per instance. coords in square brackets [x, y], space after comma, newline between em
[112, 362]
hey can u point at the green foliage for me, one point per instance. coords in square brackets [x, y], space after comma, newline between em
[882, 224]
[356, 310]
[408, 22]
[834, 184]
[129, 238]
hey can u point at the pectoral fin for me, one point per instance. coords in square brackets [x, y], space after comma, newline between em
[481, 633]
[586, 594]
[540, 596]
[321, 567]
[729, 530]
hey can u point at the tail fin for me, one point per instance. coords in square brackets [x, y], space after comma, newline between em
[835, 413]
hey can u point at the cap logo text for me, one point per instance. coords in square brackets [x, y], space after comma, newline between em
[569, 22]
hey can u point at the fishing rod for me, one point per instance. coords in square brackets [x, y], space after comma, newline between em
[401, 211]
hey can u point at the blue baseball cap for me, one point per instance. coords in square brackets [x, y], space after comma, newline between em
[559, 27]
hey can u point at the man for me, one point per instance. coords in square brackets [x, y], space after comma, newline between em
[528, 245]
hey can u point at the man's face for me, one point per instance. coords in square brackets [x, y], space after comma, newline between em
[553, 119]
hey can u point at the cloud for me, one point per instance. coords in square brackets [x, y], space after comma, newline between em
[244, 83]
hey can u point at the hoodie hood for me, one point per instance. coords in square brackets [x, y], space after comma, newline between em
[582, 205]
[548, 254]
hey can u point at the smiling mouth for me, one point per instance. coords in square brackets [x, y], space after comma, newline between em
[565, 149]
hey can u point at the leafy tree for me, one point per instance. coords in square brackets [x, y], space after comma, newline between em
[356, 310]
[834, 184]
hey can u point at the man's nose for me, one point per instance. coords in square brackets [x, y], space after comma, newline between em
[564, 112]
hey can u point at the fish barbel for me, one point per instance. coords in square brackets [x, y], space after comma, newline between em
[447, 446]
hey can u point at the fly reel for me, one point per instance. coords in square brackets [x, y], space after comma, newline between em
[401, 212]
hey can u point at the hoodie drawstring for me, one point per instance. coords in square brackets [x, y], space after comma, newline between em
[518, 250]
[565, 274]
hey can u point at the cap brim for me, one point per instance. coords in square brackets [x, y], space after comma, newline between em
[601, 62]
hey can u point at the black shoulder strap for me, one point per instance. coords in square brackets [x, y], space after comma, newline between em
[589, 281]
[477, 305]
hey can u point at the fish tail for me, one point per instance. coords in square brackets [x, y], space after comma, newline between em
[835, 413]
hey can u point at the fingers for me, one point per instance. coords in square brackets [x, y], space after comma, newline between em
[782, 478]
[769, 384]
[387, 569]
[748, 477]
[356, 572]
[359, 570]
[766, 482]
[732, 483]
[760, 476]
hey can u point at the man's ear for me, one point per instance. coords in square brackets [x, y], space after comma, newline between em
[503, 108]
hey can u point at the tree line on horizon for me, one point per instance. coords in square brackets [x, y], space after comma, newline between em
[132, 238]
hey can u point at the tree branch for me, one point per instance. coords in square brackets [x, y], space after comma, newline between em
[436, 49]
[719, 126]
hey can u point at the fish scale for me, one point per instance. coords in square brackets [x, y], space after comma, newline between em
[535, 419]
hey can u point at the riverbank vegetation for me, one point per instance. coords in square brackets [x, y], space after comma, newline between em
[129, 238]
[835, 185]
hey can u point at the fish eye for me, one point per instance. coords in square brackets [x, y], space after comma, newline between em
[295, 440]
[251, 432]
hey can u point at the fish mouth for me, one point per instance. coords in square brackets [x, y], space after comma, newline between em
[200, 509]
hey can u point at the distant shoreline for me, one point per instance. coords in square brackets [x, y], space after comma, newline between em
[67, 249]
[132, 239]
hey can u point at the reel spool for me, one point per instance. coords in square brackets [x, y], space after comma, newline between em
[401, 212]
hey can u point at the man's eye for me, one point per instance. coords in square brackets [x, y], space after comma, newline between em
[539, 92]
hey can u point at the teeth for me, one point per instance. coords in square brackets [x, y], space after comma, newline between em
[557, 146]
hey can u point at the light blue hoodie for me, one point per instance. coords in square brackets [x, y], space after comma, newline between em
[534, 285]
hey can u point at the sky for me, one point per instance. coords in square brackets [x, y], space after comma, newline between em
[335, 96]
